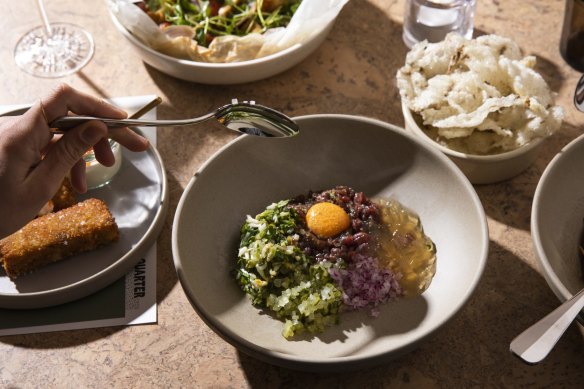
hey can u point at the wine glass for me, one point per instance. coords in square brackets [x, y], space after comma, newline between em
[53, 49]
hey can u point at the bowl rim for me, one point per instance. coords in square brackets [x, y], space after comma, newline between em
[409, 118]
[554, 282]
[344, 362]
[212, 65]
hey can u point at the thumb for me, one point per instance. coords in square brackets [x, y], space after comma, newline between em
[67, 151]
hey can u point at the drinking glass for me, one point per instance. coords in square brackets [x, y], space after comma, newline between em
[431, 20]
[53, 49]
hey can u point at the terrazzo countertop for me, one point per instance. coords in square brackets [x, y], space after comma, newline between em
[351, 73]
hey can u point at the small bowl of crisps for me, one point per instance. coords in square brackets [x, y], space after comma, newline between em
[480, 102]
[225, 44]
[479, 169]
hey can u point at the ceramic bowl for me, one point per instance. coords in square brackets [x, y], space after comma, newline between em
[377, 158]
[225, 73]
[480, 169]
[557, 220]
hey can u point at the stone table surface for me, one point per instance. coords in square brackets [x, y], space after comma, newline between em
[351, 73]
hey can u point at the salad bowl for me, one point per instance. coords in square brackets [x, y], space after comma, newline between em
[247, 175]
[229, 73]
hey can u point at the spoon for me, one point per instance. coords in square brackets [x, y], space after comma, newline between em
[579, 95]
[245, 117]
[535, 343]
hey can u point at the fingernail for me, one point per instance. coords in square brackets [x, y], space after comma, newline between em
[91, 134]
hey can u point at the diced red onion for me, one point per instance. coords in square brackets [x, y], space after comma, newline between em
[365, 284]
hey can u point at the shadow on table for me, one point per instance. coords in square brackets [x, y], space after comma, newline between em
[472, 347]
[509, 202]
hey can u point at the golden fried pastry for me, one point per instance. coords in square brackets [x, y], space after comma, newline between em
[56, 236]
[64, 198]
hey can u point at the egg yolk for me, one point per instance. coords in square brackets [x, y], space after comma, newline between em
[326, 220]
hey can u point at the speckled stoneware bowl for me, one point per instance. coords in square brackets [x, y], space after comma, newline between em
[377, 158]
[480, 169]
[225, 73]
[557, 220]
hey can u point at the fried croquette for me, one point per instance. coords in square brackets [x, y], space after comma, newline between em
[82, 227]
[64, 198]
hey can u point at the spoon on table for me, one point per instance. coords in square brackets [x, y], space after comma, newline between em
[535, 343]
[579, 95]
[245, 118]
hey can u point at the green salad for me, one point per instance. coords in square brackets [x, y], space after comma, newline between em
[278, 275]
[213, 18]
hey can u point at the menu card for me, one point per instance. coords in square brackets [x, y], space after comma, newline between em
[129, 301]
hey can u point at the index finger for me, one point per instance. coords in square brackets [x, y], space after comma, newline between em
[65, 99]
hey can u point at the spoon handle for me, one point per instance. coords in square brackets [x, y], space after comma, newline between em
[535, 343]
[67, 122]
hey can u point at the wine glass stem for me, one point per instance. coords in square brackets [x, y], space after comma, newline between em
[46, 23]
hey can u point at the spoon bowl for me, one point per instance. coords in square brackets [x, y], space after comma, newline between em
[243, 117]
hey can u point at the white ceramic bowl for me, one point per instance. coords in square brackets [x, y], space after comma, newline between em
[480, 169]
[557, 220]
[377, 158]
[225, 73]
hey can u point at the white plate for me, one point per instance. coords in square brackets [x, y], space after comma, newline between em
[138, 199]
[377, 158]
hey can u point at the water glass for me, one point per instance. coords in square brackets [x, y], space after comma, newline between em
[431, 20]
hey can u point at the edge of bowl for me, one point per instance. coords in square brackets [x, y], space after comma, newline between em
[553, 281]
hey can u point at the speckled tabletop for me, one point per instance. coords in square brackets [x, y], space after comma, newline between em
[353, 73]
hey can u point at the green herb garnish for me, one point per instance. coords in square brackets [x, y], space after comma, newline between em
[213, 18]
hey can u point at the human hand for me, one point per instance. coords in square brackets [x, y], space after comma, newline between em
[33, 164]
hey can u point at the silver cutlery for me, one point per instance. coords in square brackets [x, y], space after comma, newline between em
[535, 343]
[243, 117]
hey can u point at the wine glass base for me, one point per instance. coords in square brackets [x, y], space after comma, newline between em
[68, 49]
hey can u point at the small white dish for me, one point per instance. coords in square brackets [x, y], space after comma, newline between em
[480, 169]
[371, 156]
[225, 73]
[138, 199]
[557, 221]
